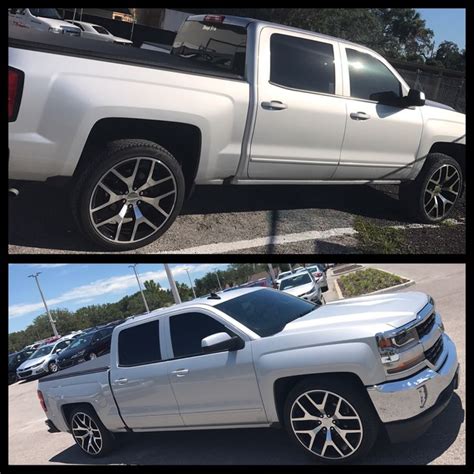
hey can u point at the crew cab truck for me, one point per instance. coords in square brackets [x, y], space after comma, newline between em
[235, 102]
[334, 375]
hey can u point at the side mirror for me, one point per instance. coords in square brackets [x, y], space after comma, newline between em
[221, 341]
[415, 98]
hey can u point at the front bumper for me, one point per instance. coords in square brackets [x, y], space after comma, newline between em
[404, 399]
[315, 297]
[28, 373]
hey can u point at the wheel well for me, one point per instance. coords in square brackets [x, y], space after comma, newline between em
[67, 410]
[283, 386]
[182, 140]
[454, 150]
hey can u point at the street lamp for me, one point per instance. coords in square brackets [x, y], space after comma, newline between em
[35, 276]
[134, 266]
[218, 281]
[190, 281]
[174, 289]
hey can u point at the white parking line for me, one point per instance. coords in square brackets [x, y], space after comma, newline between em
[223, 247]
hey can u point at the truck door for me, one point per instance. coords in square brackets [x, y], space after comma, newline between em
[217, 388]
[301, 114]
[139, 378]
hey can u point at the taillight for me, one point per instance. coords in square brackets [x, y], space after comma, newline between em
[15, 88]
[214, 18]
[41, 400]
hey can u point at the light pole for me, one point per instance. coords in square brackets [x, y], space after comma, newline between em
[174, 289]
[134, 266]
[190, 281]
[272, 273]
[35, 276]
[218, 281]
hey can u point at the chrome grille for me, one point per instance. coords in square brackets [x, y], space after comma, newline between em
[25, 373]
[433, 353]
[426, 326]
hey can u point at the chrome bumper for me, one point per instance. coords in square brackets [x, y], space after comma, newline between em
[407, 398]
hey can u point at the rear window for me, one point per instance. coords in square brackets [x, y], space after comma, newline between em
[218, 45]
[140, 345]
[101, 30]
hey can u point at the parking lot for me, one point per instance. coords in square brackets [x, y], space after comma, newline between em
[242, 219]
[30, 443]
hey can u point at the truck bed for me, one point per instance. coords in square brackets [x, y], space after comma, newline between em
[104, 51]
[101, 364]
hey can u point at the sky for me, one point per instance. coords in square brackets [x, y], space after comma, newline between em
[448, 24]
[72, 286]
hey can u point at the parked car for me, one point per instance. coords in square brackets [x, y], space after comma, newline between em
[42, 361]
[319, 274]
[86, 347]
[41, 19]
[263, 282]
[282, 275]
[335, 376]
[303, 285]
[15, 360]
[98, 32]
[256, 90]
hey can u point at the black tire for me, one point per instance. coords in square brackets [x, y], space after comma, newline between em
[414, 195]
[351, 392]
[107, 158]
[53, 367]
[107, 438]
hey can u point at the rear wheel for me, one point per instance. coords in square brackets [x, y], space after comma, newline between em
[331, 419]
[89, 433]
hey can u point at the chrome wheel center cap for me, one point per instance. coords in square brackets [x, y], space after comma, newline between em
[327, 422]
[133, 197]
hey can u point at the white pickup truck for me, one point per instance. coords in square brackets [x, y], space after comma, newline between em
[335, 376]
[236, 101]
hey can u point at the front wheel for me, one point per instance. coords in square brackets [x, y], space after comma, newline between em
[129, 195]
[432, 196]
[331, 419]
[53, 367]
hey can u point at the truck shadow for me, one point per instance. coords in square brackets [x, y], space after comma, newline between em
[41, 217]
[263, 446]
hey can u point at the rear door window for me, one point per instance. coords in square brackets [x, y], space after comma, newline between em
[139, 345]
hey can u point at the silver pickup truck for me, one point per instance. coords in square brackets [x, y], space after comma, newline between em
[235, 102]
[335, 376]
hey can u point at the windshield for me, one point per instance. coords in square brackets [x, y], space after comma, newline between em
[46, 13]
[297, 280]
[80, 341]
[219, 45]
[266, 311]
[42, 351]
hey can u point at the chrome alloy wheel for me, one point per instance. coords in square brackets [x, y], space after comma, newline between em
[326, 424]
[442, 191]
[133, 200]
[86, 433]
[53, 367]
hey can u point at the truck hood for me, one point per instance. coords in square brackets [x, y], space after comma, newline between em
[300, 290]
[377, 312]
[30, 362]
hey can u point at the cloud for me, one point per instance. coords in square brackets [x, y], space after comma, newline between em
[47, 265]
[116, 284]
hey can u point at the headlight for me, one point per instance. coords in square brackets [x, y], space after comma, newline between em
[55, 30]
[310, 292]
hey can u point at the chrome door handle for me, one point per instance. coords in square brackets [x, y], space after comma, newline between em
[274, 105]
[359, 116]
[180, 372]
[120, 381]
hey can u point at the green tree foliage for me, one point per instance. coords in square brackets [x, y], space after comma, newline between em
[449, 55]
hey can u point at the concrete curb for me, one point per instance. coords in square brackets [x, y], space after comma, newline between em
[389, 289]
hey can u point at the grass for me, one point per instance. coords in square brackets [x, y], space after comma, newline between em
[366, 281]
[377, 239]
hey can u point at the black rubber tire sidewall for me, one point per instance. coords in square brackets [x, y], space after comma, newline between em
[49, 367]
[354, 394]
[411, 194]
[108, 440]
[114, 153]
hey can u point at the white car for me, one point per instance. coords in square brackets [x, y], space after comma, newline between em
[318, 274]
[43, 19]
[301, 284]
[98, 32]
[282, 275]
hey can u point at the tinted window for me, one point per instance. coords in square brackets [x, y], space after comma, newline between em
[100, 29]
[297, 280]
[219, 45]
[265, 311]
[140, 344]
[302, 64]
[368, 76]
[187, 331]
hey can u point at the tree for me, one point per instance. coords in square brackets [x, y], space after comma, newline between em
[449, 55]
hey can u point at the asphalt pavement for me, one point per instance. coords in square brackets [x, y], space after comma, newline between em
[444, 443]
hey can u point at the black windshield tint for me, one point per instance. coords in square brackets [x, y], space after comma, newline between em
[219, 45]
[297, 280]
[266, 311]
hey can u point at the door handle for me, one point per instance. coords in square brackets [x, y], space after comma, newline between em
[180, 372]
[121, 381]
[274, 105]
[359, 116]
